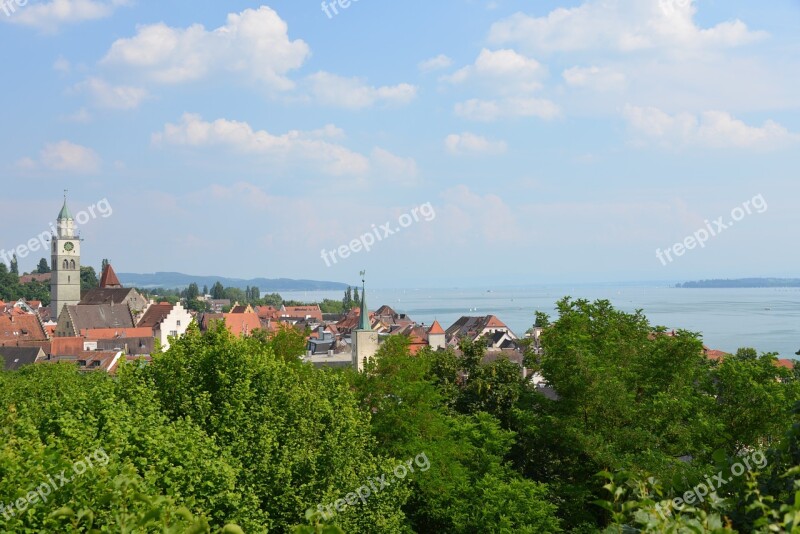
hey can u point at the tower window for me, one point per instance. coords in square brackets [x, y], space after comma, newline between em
[72, 264]
[65, 264]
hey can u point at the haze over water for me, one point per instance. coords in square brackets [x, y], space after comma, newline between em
[767, 319]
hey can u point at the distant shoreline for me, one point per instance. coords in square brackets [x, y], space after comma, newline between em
[743, 283]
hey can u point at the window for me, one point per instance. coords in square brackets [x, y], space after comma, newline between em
[174, 333]
[72, 264]
[178, 323]
[65, 265]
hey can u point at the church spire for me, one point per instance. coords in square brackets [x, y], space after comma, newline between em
[64, 214]
[363, 322]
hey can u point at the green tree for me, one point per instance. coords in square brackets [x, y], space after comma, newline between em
[14, 265]
[356, 298]
[192, 292]
[466, 452]
[43, 267]
[88, 278]
[217, 291]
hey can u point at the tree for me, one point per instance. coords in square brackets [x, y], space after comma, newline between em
[103, 265]
[205, 290]
[88, 279]
[356, 299]
[192, 292]
[467, 452]
[347, 301]
[43, 267]
[9, 284]
[14, 265]
[217, 291]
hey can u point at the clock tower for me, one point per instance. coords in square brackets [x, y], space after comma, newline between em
[65, 278]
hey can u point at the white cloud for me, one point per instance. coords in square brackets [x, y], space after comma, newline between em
[713, 129]
[63, 156]
[295, 146]
[49, 16]
[504, 70]
[397, 169]
[352, 93]
[254, 42]
[106, 95]
[469, 143]
[621, 25]
[596, 78]
[467, 216]
[492, 110]
[435, 63]
[62, 65]
[80, 116]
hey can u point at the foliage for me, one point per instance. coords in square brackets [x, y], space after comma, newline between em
[88, 278]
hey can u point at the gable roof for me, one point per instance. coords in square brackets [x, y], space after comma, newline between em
[88, 316]
[13, 358]
[241, 324]
[155, 315]
[25, 327]
[116, 333]
[473, 326]
[115, 295]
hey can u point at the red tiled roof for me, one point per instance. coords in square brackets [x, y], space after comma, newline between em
[238, 324]
[66, 346]
[436, 328]
[716, 355]
[115, 333]
[28, 278]
[109, 278]
[303, 311]
[786, 364]
[23, 327]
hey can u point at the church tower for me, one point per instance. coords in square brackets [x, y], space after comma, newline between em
[364, 338]
[65, 278]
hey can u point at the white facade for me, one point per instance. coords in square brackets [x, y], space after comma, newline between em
[173, 325]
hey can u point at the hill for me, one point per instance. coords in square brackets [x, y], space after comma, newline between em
[180, 280]
[742, 283]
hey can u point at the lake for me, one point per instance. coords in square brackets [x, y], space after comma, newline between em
[767, 319]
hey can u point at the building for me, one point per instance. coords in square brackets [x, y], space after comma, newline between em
[238, 324]
[165, 321]
[494, 331]
[77, 319]
[65, 278]
[13, 358]
[111, 291]
[364, 338]
[301, 313]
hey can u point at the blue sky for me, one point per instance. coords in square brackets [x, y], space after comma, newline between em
[556, 141]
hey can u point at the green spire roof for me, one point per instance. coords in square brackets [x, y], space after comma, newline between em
[363, 321]
[65, 214]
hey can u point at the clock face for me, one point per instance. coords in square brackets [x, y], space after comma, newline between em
[68, 246]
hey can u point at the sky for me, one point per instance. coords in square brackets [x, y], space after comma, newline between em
[472, 142]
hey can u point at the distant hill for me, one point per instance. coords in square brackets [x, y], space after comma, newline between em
[742, 283]
[180, 280]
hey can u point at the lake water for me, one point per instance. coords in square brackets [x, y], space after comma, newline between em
[767, 319]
